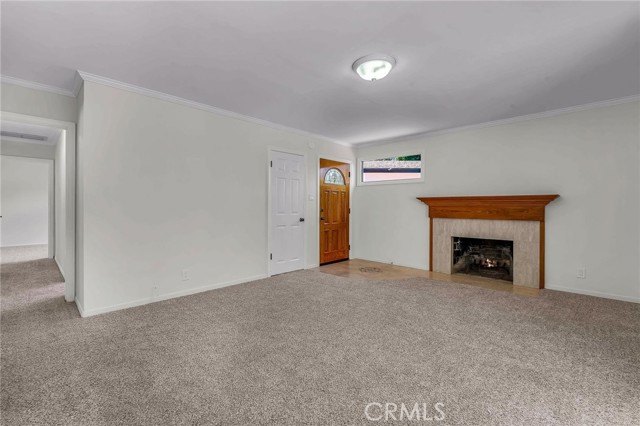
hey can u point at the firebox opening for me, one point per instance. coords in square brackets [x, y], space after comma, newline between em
[483, 257]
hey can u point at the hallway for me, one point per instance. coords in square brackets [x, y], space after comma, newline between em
[33, 285]
[19, 254]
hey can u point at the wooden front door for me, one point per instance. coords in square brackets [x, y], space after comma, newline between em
[334, 211]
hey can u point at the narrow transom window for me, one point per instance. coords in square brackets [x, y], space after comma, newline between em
[404, 168]
[334, 177]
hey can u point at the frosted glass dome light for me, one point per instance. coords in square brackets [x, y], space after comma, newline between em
[374, 67]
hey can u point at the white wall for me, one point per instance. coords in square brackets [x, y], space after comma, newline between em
[589, 157]
[35, 150]
[26, 196]
[38, 103]
[163, 187]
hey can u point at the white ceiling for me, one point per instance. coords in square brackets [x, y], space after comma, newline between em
[290, 63]
[52, 135]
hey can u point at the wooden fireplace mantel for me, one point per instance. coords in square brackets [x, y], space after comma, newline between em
[498, 207]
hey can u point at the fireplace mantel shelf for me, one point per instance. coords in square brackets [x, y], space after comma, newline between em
[499, 207]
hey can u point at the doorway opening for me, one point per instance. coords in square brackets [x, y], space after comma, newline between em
[38, 193]
[334, 212]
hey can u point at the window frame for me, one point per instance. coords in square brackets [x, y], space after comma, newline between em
[360, 160]
[342, 176]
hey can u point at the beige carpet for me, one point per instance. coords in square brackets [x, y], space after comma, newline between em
[312, 348]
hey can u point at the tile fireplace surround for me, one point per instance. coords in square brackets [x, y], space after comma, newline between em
[519, 218]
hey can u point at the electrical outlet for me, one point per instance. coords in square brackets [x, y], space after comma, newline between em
[582, 273]
[154, 292]
[186, 276]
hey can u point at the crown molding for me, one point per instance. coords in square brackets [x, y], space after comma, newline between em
[517, 119]
[197, 105]
[36, 86]
[81, 77]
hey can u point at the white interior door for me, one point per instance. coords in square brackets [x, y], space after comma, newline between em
[287, 212]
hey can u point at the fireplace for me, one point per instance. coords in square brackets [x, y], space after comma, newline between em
[484, 257]
[516, 219]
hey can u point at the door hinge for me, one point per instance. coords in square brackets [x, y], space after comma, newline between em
[270, 256]
[349, 246]
[349, 210]
[349, 174]
[271, 165]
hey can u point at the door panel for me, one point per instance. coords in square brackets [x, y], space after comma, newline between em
[287, 208]
[334, 213]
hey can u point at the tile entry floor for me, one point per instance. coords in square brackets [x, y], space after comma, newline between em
[354, 268]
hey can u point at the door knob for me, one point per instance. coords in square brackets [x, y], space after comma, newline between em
[302, 219]
[321, 218]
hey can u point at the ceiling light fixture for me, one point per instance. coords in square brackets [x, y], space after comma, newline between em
[374, 67]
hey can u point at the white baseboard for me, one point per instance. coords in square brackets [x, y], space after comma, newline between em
[66, 289]
[593, 293]
[422, 268]
[25, 245]
[315, 265]
[60, 268]
[80, 308]
[386, 262]
[172, 295]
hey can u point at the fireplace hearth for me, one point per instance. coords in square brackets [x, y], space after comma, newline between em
[484, 257]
